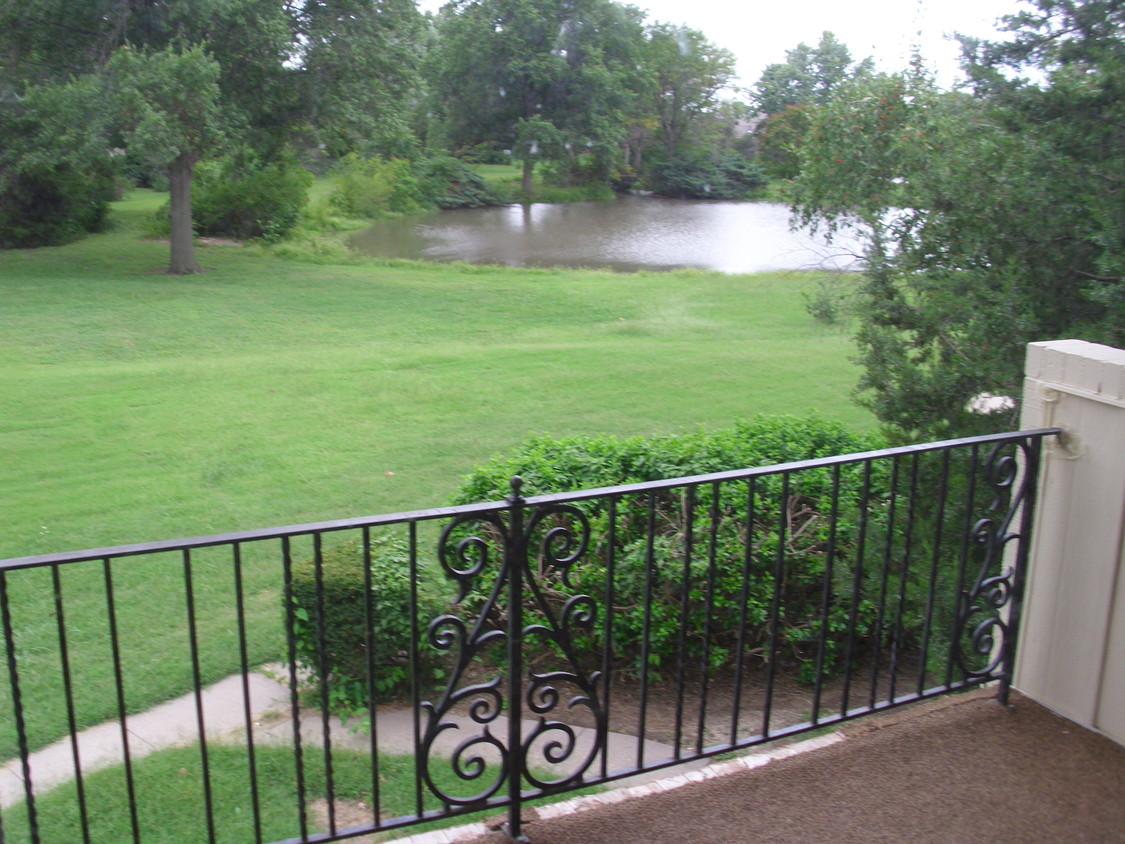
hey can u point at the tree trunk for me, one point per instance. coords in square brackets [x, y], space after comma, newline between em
[528, 166]
[179, 183]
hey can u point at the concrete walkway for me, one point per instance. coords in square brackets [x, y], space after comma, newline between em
[175, 724]
[171, 724]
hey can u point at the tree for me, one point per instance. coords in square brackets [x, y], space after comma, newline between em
[789, 92]
[687, 74]
[780, 137]
[144, 50]
[169, 105]
[56, 171]
[356, 67]
[990, 220]
[808, 76]
[539, 77]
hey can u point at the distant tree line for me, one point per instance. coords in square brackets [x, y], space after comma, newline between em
[585, 90]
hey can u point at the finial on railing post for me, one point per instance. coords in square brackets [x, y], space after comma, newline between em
[515, 484]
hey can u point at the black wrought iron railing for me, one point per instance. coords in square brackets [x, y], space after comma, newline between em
[488, 655]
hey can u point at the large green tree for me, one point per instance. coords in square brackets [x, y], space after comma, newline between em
[355, 68]
[170, 95]
[808, 76]
[788, 92]
[539, 77]
[687, 75]
[991, 220]
[169, 106]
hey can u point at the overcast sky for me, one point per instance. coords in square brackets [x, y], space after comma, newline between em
[759, 32]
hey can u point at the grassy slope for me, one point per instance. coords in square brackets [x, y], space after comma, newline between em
[137, 406]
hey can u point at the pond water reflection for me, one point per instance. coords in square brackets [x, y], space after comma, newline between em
[628, 234]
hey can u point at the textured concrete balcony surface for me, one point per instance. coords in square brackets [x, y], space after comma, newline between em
[960, 768]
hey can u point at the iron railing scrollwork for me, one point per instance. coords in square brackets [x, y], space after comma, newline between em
[689, 594]
[989, 611]
[520, 570]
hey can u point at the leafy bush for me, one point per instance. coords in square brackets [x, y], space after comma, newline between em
[449, 183]
[56, 176]
[484, 153]
[330, 620]
[730, 176]
[50, 205]
[830, 302]
[693, 600]
[243, 199]
[376, 187]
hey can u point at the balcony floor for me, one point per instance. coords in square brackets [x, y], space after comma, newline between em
[955, 769]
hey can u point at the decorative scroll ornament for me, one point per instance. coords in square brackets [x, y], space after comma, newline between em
[478, 553]
[471, 758]
[984, 636]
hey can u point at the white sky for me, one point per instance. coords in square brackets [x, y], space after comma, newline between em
[759, 32]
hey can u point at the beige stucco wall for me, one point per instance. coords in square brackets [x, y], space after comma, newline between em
[1072, 648]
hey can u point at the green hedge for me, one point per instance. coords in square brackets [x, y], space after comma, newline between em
[710, 566]
[680, 591]
[336, 621]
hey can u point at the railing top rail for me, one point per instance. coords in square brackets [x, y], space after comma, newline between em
[488, 507]
[796, 465]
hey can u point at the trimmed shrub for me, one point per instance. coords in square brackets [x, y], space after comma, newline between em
[330, 621]
[707, 602]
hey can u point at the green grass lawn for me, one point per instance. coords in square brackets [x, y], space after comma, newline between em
[172, 808]
[136, 405]
[139, 406]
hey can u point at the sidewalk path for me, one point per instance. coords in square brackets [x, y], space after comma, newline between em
[174, 724]
[170, 724]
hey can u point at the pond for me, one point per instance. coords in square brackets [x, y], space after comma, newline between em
[628, 234]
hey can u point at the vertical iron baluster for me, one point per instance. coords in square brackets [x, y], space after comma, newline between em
[368, 634]
[646, 625]
[415, 679]
[931, 597]
[607, 631]
[193, 643]
[1032, 449]
[516, 558]
[888, 548]
[17, 707]
[688, 505]
[857, 584]
[744, 598]
[294, 696]
[247, 713]
[907, 549]
[68, 691]
[119, 683]
[962, 564]
[775, 603]
[709, 615]
[322, 680]
[826, 598]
